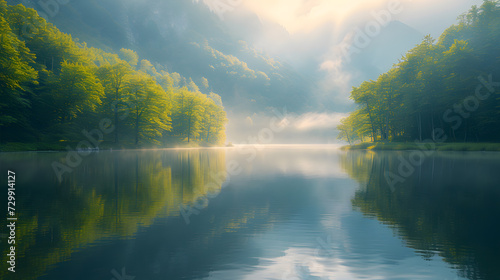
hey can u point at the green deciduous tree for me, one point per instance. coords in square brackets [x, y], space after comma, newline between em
[114, 78]
[52, 87]
[149, 107]
[16, 73]
[76, 92]
[435, 86]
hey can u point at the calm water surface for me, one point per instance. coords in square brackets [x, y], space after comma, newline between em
[280, 213]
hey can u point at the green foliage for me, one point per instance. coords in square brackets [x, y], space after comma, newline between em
[52, 88]
[354, 128]
[197, 117]
[149, 107]
[399, 146]
[434, 86]
[204, 82]
[16, 76]
[129, 56]
[76, 92]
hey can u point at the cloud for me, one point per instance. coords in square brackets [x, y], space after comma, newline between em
[312, 121]
[306, 15]
[336, 78]
[310, 36]
[306, 128]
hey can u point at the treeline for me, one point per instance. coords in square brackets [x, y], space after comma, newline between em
[52, 88]
[444, 90]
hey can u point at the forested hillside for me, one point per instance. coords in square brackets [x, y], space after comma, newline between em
[444, 90]
[184, 37]
[55, 89]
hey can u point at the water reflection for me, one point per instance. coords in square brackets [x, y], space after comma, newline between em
[110, 196]
[289, 214]
[447, 207]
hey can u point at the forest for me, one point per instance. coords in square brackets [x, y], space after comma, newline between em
[444, 90]
[54, 89]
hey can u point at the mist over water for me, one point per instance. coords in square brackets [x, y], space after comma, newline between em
[204, 139]
[285, 212]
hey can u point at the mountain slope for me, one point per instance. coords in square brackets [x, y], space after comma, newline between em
[187, 38]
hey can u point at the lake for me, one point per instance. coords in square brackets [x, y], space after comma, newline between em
[281, 212]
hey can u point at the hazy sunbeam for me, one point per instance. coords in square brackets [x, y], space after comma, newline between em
[306, 15]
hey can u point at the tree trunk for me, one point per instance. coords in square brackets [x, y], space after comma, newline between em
[137, 129]
[466, 129]
[420, 126]
[387, 127]
[116, 115]
[189, 130]
[432, 131]
[209, 126]
[371, 121]
[116, 125]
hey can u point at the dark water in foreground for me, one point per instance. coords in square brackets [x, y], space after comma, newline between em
[287, 213]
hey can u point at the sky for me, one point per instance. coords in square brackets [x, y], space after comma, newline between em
[314, 26]
[311, 35]
[427, 16]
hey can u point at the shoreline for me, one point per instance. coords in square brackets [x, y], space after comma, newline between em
[366, 146]
[59, 147]
[402, 146]
[23, 149]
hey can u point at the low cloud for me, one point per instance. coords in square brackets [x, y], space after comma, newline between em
[314, 121]
[336, 79]
[306, 128]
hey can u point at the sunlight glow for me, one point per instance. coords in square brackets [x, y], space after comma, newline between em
[306, 15]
